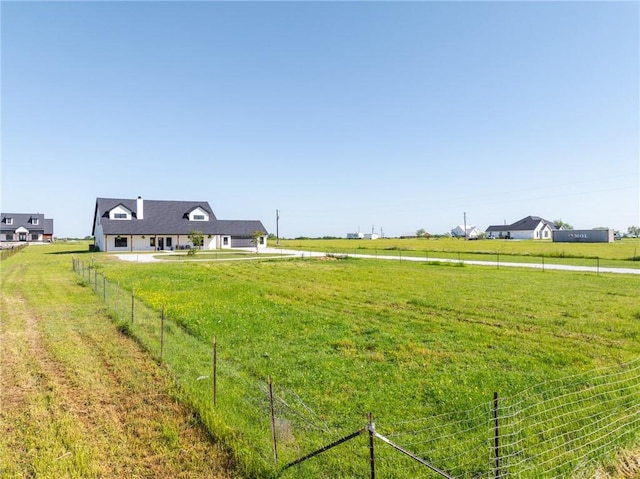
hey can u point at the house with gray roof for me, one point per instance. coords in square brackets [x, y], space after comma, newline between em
[25, 228]
[150, 225]
[459, 232]
[531, 227]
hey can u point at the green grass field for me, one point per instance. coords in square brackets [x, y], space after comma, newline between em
[78, 399]
[621, 254]
[404, 341]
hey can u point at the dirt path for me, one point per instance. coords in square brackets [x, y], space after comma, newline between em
[78, 399]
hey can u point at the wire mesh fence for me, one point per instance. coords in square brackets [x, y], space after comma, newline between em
[543, 262]
[554, 429]
[561, 426]
[7, 251]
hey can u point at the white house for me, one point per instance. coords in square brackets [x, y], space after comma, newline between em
[459, 232]
[148, 225]
[531, 227]
[25, 227]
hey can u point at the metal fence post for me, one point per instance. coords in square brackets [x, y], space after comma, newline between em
[132, 304]
[214, 372]
[162, 333]
[496, 437]
[372, 430]
[273, 422]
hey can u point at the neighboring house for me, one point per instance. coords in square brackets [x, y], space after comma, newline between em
[531, 227]
[148, 225]
[459, 232]
[25, 227]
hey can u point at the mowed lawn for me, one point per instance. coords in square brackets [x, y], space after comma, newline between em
[77, 398]
[619, 254]
[401, 340]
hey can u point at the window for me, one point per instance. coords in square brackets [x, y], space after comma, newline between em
[225, 240]
[9, 221]
[34, 221]
[35, 237]
[168, 242]
[198, 217]
[261, 239]
[120, 216]
[121, 242]
[152, 242]
[8, 237]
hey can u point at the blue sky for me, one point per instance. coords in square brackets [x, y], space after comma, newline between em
[341, 115]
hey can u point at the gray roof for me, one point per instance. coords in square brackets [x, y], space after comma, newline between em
[530, 223]
[44, 226]
[525, 224]
[168, 217]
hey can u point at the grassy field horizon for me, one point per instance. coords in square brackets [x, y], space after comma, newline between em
[622, 253]
[404, 340]
[421, 346]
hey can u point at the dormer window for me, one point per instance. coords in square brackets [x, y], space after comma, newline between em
[120, 213]
[198, 214]
[8, 221]
[34, 221]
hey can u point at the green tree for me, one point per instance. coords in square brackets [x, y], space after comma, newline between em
[256, 239]
[197, 240]
[420, 233]
[633, 230]
[561, 225]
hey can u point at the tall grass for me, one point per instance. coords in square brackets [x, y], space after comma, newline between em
[345, 338]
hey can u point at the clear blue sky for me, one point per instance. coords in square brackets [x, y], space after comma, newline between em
[342, 115]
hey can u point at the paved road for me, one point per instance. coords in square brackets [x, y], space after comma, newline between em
[592, 269]
[151, 257]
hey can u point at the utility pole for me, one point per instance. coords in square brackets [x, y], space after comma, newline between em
[465, 226]
[277, 232]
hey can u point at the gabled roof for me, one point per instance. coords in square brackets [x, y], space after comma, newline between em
[529, 223]
[167, 217]
[26, 220]
[48, 226]
[239, 227]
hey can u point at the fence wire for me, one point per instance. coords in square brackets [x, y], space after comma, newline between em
[554, 429]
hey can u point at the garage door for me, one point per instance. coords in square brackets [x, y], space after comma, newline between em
[241, 242]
